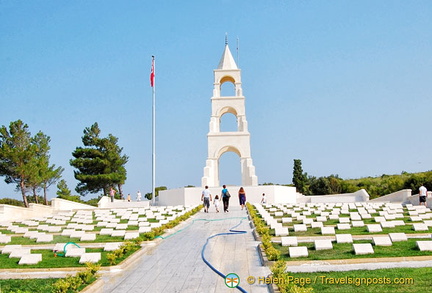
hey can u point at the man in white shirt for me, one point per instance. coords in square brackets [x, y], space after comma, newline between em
[423, 194]
[206, 198]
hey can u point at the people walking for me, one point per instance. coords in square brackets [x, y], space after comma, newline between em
[225, 198]
[138, 196]
[263, 199]
[112, 193]
[242, 197]
[216, 203]
[423, 194]
[206, 199]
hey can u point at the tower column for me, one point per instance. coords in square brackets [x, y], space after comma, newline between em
[233, 141]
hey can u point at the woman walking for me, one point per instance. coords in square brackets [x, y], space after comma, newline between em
[225, 198]
[242, 197]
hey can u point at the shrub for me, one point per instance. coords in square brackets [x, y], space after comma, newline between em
[61, 286]
[74, 282]
[271, 252]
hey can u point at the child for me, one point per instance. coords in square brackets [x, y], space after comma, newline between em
[216, 203]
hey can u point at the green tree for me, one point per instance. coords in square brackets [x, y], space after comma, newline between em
[149, 195]
[43, 174]
[16, 154]
[100, 164]
[63, 190]
[24, 160]
[299, 178]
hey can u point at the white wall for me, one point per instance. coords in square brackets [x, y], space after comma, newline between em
[192, 195]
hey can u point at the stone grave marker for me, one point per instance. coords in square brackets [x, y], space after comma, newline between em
[344, 238]
[92, 257]
[317, 225]
[131, 235]
[88, 237]
[30, 259]
[395, 237]
[19, 252]
[281, 231]
[73, 251]
[374, 228]
[323, 244]
[343, 226]
[300, 228]
[387, 224]
[289, 241]
[424, 245]
[357, 223]
[44, 238]
[420, 227]
[363, 248]
[298, 251]
[382, 241]
[328, 231]
[111, 246]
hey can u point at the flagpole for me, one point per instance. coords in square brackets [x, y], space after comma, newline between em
[153, 84]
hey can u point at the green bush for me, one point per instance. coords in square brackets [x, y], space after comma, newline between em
[75, 282]
[61, 286]
[271, 252]
[279, 272]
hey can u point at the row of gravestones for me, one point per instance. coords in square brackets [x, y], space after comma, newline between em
[359, 248]
[104, 218]
[270, 215]
[27, 258]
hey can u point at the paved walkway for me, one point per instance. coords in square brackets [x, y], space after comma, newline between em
[175, 265]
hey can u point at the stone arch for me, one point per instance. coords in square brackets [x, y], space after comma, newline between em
[227, 78]
[227, 86]
[226, 149]
[227, 109]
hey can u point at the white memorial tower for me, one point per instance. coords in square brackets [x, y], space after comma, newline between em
[232, 141]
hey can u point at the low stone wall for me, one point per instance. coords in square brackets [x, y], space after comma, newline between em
[105, 203]
[60, 204]
[358, 196]
[400, 196]
[190, 196]
[12, 213]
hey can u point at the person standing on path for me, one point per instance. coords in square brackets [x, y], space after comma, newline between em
[423, 194]
[263, 199]
[216, 203]
[138, 196]
[206, 198]
[242, 197]
[225, 198]
[112, 193]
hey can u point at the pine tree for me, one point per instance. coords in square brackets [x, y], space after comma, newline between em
[100, 164]
[16, 154]
[299, 178]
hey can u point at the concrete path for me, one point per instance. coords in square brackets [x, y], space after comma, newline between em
[175, 265]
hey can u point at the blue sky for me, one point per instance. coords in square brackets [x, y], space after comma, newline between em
[345, 86]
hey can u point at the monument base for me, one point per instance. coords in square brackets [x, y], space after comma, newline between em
[189, 196]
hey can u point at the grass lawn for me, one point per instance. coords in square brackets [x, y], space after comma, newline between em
[27, 285]
[346, 251]
[48, 260]
[408, 229]
[386, 280]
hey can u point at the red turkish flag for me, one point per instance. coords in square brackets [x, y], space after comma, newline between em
[152, 73]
